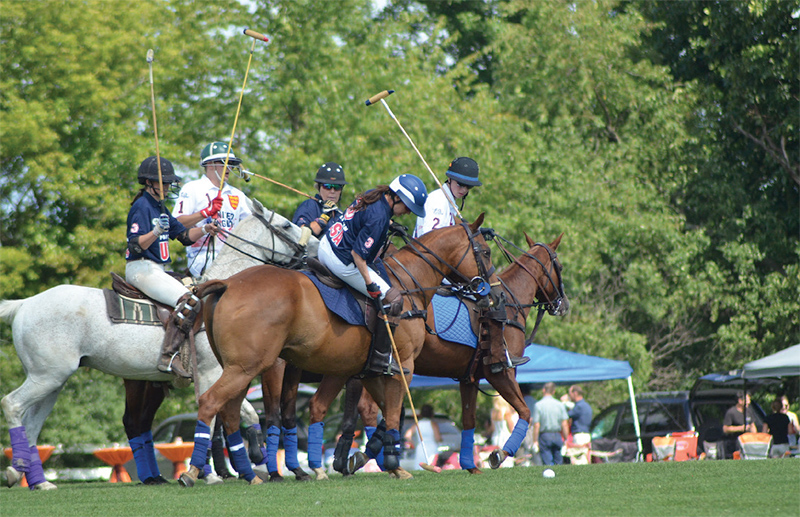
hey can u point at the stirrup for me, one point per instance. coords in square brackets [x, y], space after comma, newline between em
[514, 362]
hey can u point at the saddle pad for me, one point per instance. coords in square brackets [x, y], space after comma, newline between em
[451, 318]
[339, 301]
[122, 309]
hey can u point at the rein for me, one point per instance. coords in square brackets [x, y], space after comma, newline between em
[295, 261]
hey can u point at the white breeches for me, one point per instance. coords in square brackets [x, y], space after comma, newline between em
[349, 274]
[152, 280]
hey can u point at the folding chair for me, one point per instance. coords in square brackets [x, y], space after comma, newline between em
[578, 453]
[685, 445]
[754, 446]
[663, 448]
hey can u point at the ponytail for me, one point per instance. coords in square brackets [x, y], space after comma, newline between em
[370, 196]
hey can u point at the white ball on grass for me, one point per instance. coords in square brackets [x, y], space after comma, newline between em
[548, 473]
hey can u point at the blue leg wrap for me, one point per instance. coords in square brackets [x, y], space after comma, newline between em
[239, 456]
[273, 438]
[35, 474]
[140, 457]
[150, 454]
[517, 435]
[202, 439]
[315, 445]
[21, 449]
[369, 430]
[290, 448]
[466, 458]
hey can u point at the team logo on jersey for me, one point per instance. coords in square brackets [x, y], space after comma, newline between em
[349, 213]
[368, 244]
[234, 201]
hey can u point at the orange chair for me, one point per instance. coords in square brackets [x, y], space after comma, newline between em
[685, 445]
[663, 448]
[754, 446]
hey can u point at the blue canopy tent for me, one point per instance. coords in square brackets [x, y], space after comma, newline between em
[549, 364]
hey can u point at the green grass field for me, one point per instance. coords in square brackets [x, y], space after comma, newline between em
[690, 488]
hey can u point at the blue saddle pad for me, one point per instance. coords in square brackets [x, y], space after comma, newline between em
[340, 301]
[451, 318]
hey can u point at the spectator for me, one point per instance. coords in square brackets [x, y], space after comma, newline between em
[780, 426]
[735, 423]
[504, 418]
[527, 444]
[793, 417]
[431, 436]
[550, 428]
[580, 415]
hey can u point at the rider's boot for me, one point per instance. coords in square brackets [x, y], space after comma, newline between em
[178, 328]
[381, 360]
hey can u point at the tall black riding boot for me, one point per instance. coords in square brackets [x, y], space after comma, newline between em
[381, 360]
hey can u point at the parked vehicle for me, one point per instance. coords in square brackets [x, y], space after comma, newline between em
[701, 409]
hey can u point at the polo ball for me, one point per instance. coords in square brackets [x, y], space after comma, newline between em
[549, 473]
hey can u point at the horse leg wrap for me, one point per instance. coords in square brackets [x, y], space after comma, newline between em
[290, 448]
[517, 435]
[202, 439]
[341, 452]
[239, 456]
[273, 439]
[465, 458]
[391, 449]
[315, 445]
[150, 454]
[35, 474]
[21, 449]
[140, 457]
[375, 441]
[218, 451]
[255, 440]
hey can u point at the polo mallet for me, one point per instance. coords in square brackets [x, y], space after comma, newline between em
[381, 97]
[275, 182]
[424, 465]
[256, 36]
[150, 58]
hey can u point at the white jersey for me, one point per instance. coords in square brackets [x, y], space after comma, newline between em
[439, 213]
[197, 195]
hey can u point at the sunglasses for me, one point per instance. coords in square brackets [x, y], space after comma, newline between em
[331, 186]
[468, 187]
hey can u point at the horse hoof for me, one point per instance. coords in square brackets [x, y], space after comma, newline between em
[275, 477]
[13, 476]
[45, 485]
[256, 481]
[400, 473]
[475, 471]
[301, 475]
[320, 473]
[189, 477]
[497, 457]
[356, 461]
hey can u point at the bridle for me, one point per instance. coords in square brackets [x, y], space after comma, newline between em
[478, 286]
[296, 260]
[551, 305]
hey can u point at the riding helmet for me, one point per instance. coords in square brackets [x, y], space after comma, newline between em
[216, 152]
[332, 173]
[412, 191]
[148, 170]
[465, 171]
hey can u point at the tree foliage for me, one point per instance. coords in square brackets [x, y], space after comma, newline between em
[659, 137]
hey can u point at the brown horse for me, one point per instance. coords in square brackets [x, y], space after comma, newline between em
[265, 312]
[536, 274]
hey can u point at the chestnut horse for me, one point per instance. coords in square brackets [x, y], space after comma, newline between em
[536, 274]
[266, 312]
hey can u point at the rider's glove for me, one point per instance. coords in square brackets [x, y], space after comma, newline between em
[162, 226]
[373, 290]
[213, 209]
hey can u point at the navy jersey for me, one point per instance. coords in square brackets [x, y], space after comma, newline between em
[364, 231]
[142, 218]
[309, 210]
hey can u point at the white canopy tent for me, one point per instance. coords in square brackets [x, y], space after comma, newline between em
[785, 363]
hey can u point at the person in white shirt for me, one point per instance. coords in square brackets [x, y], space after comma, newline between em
[201, 202]
[462, 175]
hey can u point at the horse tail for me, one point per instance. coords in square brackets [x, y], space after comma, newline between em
[9, 309]
[214, 288]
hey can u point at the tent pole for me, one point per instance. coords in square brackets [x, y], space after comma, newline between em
[635, 412]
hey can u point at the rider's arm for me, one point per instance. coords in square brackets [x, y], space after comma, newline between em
[361, 265]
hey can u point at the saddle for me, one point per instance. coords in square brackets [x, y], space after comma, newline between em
[324, 275]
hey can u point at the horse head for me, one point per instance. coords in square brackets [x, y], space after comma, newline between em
[550, 293]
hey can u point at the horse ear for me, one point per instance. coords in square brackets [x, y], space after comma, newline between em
[555, 243]
[529, 240]
[477, 224]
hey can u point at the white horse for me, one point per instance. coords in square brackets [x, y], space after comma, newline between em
[66, 327]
